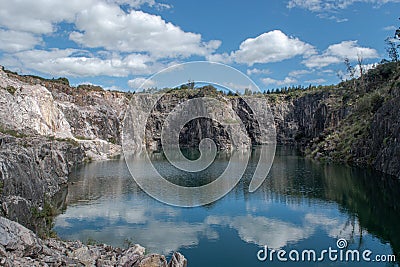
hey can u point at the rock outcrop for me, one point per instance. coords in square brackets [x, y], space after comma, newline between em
[32, 171]
[360, 121]
[231, 122]
[87, 114]
[20, 247]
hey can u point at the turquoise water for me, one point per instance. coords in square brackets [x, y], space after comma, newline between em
[301, 205]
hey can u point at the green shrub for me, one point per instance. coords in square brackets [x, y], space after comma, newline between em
[11, 89]
[80, 137]
[12, 132]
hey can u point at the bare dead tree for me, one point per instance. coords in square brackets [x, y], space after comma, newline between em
[361, 69]
[351, 71]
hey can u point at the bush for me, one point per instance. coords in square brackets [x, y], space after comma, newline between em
[369, 103]
[11, 89]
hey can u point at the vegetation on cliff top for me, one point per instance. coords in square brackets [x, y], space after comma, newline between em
[362, 97]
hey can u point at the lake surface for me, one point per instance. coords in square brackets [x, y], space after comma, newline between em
[302, 205]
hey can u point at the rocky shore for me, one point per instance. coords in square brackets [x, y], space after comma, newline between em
[21, 247]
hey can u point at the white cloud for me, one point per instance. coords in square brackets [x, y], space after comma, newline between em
[389, 28]
[141, 82]
[100, 24]
[286, 81]
[316, 81]
[336, 53]
[329, 5]
[39, 16]
[139, 3]
[357, 72]
[221, 58]
[258, 71]
[321, 61]
[111, 28]
[14, 41]
[273, 46]
[298, 73]
[239, 87]
[73, 62]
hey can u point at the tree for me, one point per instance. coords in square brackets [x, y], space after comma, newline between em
[190, 84]
[391, 49]
[361, 69]
[393, 45]
[247, 91]
[349, 68]
[351, 71]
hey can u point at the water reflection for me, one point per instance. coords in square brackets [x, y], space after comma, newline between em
[301, 204]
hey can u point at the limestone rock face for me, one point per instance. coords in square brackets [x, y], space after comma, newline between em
[32, 170]
[87, 114]
[300, 119]
[230, 122]
[31, 109]
[385, 143]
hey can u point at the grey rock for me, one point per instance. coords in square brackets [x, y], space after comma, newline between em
[177, 260]
[19, 246]
[16, 238]
[152, 260]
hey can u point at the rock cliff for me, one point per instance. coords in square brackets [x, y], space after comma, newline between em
[358, 122]
[47, 127]
[32, 170]
[87, 114]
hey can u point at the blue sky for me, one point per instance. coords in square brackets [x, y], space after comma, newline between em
[119, 43]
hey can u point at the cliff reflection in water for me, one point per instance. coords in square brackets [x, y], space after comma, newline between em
[302, 203]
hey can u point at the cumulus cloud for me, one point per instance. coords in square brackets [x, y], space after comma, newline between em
[141, 82]
[221, 58]
[14, 41]
[357, 71]
[269, 47]
[73, 62]
[286, 81]
[336, 53]
[316, 81]
[136, 39]
[113, 29]
[329, 5]
[256, 71]
[299, 73]
[39, 16]
[273, 46]
[139, 3]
